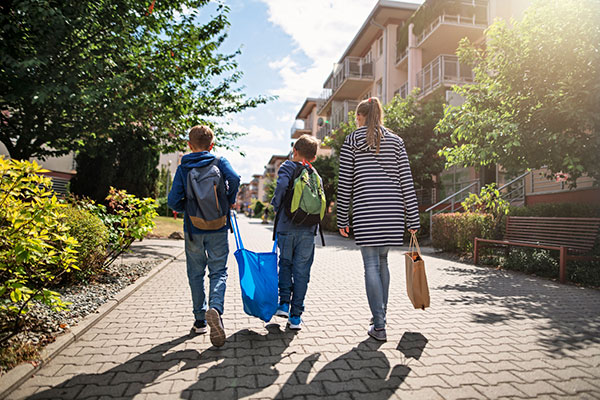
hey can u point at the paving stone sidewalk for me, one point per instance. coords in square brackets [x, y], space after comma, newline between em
[488, 335]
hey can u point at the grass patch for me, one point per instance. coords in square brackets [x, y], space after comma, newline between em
[16, 353]
[165, 226]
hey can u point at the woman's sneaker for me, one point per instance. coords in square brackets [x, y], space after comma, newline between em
[283, 310]
[377, 334]
[295, 323]
[199, 326]
[217, 331]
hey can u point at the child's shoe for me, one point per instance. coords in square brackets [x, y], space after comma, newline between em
[199, 326]
[377, 334]
[295, 323]
[217, 331]
[283, 310]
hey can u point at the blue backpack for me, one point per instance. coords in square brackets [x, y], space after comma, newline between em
[206, 198]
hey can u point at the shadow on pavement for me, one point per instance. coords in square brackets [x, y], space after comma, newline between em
[571, 315]
[249, 372]
[363, 372]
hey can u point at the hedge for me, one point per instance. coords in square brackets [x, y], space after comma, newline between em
[455, 232]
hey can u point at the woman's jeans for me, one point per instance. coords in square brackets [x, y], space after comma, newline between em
[296, 255]
[207, 250]
[377, 281]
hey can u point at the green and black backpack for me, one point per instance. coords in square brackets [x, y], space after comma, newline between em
[304, 200]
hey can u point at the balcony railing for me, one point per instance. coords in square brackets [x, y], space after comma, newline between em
[478, 19]
[350, 68]
[443, 70]
[324, 131]
[340, 110]
[401, 55]
[402, 91]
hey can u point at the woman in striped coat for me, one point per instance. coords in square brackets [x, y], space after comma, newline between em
[375, 177]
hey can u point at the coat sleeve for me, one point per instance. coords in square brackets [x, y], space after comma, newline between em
[232, 179]
[344, 189]
[283, 180]
[176, 198]
[411, 206]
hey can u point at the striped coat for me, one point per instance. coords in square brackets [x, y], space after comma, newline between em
[380, 187]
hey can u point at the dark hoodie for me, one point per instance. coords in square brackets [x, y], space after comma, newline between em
[176, 199]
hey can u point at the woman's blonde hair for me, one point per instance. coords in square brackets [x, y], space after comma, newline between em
[373, 112]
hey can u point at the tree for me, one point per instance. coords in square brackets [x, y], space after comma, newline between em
[79, 70]
[327, 167]
[128, 162]
[415, 122]
[537, 94]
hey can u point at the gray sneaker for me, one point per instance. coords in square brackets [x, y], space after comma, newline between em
[377, 334]
[217, 331]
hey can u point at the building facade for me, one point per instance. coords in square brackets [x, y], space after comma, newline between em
[405, 46]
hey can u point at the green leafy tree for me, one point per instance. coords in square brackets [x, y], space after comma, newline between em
[535, 101]
[415, 123]
[327, 168]
[128, 161]
[80, 70]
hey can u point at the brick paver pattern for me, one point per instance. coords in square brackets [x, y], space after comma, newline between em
[488, 334]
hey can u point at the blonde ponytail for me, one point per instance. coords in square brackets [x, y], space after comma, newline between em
[373, 112]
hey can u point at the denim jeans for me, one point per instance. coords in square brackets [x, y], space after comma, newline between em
[377, 281]
[207, 250]
[296, 254]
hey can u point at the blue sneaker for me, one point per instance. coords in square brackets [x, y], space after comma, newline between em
[295, 323]
[283, 310]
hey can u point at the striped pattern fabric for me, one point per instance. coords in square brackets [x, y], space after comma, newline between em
[380, 188]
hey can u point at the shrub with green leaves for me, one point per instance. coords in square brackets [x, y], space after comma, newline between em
[36, 249]
[456, 232]
[92, 235]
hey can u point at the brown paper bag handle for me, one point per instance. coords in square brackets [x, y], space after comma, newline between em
[414, 243]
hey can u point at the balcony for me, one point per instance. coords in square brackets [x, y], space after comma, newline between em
[340, 110]
[402, 91]
[444, 70]
[300, 127]
[324, 131]
[349, 79]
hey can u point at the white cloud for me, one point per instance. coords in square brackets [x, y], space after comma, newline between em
[322, 31]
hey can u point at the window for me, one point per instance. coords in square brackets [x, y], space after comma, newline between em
[368, 57]
[379, 88]
[380, 46]
[367, 95]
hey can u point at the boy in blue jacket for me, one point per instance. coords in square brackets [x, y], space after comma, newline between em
[205, 248]
[296, 242]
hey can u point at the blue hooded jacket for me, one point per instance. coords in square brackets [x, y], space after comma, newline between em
[176, 199]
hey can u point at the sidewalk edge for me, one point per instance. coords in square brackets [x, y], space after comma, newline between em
[18, 375]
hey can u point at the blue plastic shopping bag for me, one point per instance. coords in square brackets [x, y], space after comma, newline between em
[258, 278]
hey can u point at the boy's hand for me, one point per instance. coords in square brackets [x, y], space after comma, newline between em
[412, 230]
[345, 231]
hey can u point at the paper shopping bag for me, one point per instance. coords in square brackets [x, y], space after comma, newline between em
[416, 279]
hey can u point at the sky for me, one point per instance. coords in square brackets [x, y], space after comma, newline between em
[288, 49]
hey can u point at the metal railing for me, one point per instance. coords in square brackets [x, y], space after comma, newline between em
[443, 70]
[452, 199]
[475, 20]
[323, 132]
[340, 110]
[514, 190]
[402, 91]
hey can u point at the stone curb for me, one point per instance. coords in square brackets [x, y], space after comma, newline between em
[16, 376]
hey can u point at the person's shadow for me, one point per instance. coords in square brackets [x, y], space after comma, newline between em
[251, 370]
[363, 372]
[129, 379]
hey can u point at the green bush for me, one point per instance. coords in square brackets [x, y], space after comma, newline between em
[36, 249]
[127, 218]
[92, 235]
[455, 232]
[557, 210]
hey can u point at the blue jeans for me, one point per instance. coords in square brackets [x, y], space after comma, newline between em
[207, 249]
[296, 254]
[377, 281]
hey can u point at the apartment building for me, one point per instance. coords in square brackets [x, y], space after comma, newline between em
[402, 46]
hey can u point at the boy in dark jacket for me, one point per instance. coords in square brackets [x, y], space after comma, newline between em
[205, 247]
[296, 242]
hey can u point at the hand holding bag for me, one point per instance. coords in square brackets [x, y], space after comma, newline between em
[416, 279]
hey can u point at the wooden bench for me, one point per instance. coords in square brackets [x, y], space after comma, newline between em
[572, 237]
